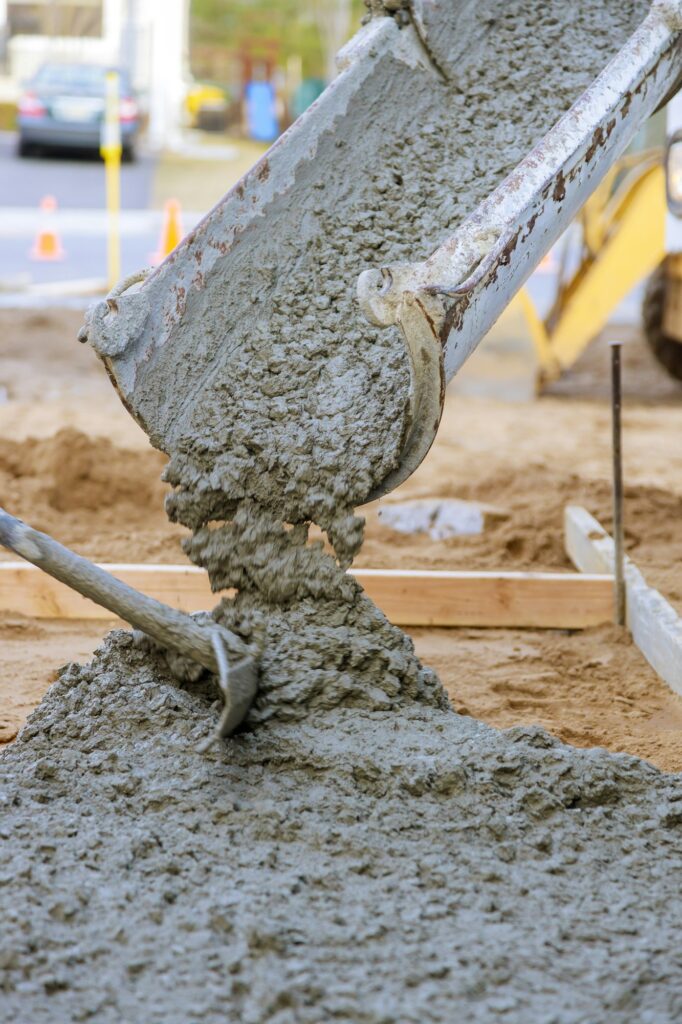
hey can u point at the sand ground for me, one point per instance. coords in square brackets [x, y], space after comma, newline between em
[74, 464]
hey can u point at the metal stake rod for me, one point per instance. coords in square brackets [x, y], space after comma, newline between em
[616, 402]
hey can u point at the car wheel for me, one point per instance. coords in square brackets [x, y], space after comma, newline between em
[25, 148]
[667, 350]
[128, 155]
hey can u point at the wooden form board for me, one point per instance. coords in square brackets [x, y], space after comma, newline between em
[655, 625]
[407, 598]
[495, 599]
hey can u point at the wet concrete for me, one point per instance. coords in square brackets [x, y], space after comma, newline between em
[353, 866]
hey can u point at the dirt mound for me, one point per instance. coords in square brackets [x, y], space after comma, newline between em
[531, 534]
[91, 493]
[536, 499]
[590, 688]
[106, 502]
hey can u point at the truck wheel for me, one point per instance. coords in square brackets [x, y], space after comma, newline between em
[667, 351]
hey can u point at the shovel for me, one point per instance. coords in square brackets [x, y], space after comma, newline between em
[213, 646]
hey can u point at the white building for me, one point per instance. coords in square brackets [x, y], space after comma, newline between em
[148, 38]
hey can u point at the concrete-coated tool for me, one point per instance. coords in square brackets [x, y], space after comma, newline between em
[212, 646]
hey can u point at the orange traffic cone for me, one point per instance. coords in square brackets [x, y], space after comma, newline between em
[48, 245]
[171, 230]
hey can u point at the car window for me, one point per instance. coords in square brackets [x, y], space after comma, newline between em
[80, 78]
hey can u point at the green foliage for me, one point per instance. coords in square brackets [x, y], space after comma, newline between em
[276, 29]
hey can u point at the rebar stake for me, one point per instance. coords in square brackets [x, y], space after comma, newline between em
[619, 557]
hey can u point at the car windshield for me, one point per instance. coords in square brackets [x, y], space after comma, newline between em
[77, 78]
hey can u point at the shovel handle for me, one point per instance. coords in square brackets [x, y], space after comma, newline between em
[168, 626]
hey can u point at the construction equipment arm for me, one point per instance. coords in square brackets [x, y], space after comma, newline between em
[449, 302]
[444, 305]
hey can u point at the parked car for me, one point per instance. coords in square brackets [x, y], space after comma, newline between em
[207, 106]
[63, 106]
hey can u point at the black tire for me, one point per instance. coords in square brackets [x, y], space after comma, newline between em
[25, 149]
[128, 154]
[667, 351]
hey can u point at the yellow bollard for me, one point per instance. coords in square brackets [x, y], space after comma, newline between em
[110, 149]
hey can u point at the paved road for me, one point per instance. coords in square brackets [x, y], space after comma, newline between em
[74, 181]
[77, 183]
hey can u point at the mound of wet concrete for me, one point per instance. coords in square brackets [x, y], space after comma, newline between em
[353, 866]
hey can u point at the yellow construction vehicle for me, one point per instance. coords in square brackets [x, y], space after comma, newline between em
[628, 230]
[662, 306]
[617, 241]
